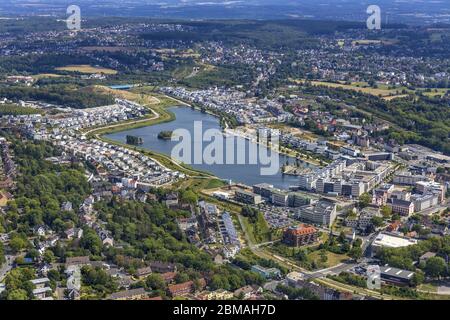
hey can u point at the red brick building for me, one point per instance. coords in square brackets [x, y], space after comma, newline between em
[300, 235]
[169, 276]
[185, 288]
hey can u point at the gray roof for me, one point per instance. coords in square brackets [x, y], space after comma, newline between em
[397, 273]
[127, 293]
[427, 255]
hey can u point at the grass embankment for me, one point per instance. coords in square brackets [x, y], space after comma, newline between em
[46, 76]
[259, 231]
[199, 185]
[332, 259]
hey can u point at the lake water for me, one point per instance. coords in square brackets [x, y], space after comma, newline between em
[248, 174]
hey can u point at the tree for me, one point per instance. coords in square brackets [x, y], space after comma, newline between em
[364, 200]
[181, 277]
[386, 211]
[54, 275]
[355, 253]
[341, 238]
[49, 256]
[418, 278]
[189, 196]
[98, 279]
[33, 254]
[91, 241]
[377, 221]
[323, 256]
[357, 243]
[2, 254]
[155, 282]
[435, 267]
[17, 244]
[18, 284]
[17, 294]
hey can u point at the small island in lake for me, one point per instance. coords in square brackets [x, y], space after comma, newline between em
[134, 140]
[165, 135]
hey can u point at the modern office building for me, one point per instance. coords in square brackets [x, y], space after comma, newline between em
[279, 198]
[322, 213]
[263, 189]
[247, 197]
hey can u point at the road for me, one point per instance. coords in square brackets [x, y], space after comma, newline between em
[7, 266]
[335, 270]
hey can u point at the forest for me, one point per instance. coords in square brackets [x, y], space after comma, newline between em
[15, 110]
[60, 95]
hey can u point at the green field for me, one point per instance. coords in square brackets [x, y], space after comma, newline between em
[332, 259]
[87, 69]
[360, 87]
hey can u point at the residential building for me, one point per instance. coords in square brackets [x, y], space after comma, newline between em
[184, 288]
[427, 255]
[143, 272]
[133, 294]
[162, 267]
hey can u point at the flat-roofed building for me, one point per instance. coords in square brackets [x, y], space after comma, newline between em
[438, 158]
[379, 156]
[396, 276]
[406, 178]
[279, 198]
[385, 240]
[323, 213]
[263, 189]
[296, 199]
[307, 181]
[425, 187]
[423, 202]
[247, 197]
